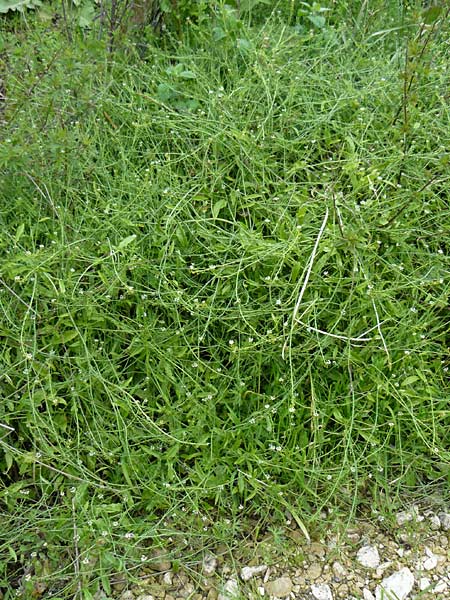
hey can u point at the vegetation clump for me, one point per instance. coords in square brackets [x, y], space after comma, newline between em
[223, 279]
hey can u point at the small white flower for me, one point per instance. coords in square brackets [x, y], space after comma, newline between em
[278, 302]
[231, 342]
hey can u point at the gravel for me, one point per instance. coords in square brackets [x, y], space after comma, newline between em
[369, 562]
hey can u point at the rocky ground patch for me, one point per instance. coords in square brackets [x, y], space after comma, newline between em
[370, 561]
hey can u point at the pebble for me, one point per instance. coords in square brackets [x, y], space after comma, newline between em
[145, 597]
[280, 588]
[440, 587]
[367, 594]
[368, 557]
[435, 522]
[317, 549]
[431, 561]
[338, 569]
[248, 573]
[444, 518]
[424, 583]
[209, 565]
[405, 516]
[322, 591]
[159, 562]
[314, 571]
[127, 595]
[230, 590]
[398, 585]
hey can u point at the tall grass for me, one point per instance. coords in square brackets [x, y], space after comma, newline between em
[224, 288]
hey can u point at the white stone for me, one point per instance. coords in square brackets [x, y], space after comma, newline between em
[145, 597]
[168, 578]
[127, 595]
[338, 569]
[405, 516]
[424, 583]
[209, 564]
[444, 518]
[261, 590]
[322, 591]
[397, 586]
[368, 557]
[435, 522]
[248, 573]
[367, 594]
[431, 561]
[230, 590]
[440, 587]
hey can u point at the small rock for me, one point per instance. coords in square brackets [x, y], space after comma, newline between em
[248, 573]
[367, 594]
[444, 518]
[145, 597]
[261, 590]
[353, 535]
[338, 569]
[127, 595]
[322, 591]
[440, 587]
[314, 571]
[317, 549]
[431, 561]
[424, 583]
[398, 585]
[405, 516]
[368, 557]
[159, 561]
[187, 590]
[435, 522]
[155, 590]
[209, 565]
[230, 590]
[167, 578]
[280, 587]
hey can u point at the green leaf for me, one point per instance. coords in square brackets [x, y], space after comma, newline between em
[126, 241]
[20, 5]
[19, 232]
[187, 75]
[218, 34]
[410, 379]
[244, 44]
[165, 92]
[431, 14]
[86, 16]
[218, 207]
[67, 336]
[317, 20]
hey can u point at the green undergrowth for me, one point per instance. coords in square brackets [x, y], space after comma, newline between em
[223, 287]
